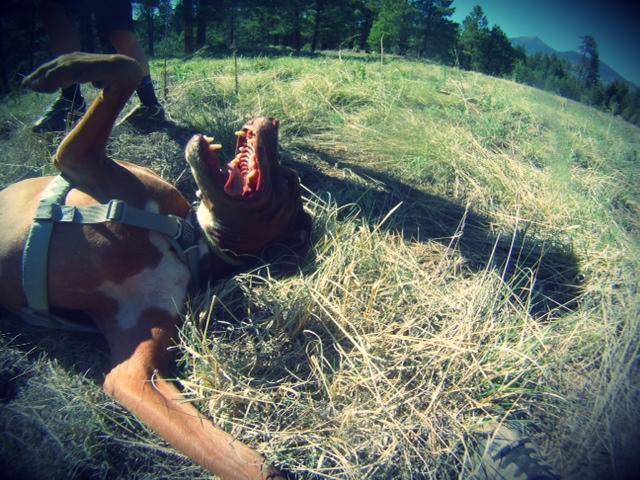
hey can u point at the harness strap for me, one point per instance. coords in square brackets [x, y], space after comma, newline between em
[35, 255]
[182, 235]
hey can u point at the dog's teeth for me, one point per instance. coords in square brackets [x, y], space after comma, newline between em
[215, 147]
[241, 133]
[198, 194]
[208, 139]
[252, 174]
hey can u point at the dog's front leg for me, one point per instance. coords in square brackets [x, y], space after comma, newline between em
[137, 382]
[81, 154]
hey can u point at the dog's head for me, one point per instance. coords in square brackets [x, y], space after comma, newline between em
[252, 201]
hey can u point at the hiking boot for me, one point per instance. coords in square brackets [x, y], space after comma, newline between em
[144, 116]
[60, 116]
[508, 455]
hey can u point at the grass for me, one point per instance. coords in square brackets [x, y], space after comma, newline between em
[475, 259]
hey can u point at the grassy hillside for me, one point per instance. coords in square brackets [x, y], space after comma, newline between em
[475, 259]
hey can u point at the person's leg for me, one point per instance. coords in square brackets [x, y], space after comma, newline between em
[115, 23]
[63, 38]
[63, 35]
[126, 42]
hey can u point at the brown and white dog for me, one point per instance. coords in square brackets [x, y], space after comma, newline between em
[129, 280]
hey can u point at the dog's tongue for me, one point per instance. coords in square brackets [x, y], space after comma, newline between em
[235, 183]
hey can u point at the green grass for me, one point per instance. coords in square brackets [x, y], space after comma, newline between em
[475, 259]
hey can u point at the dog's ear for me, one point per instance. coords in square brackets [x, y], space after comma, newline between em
[289, 253]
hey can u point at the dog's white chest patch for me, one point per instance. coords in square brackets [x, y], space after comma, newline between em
[163, 287]
[205, 217]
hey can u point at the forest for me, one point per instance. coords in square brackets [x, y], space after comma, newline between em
[417, 29]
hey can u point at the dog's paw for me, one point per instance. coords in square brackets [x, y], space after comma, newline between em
[79, 67]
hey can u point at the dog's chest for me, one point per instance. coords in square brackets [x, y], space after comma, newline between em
[162, 287]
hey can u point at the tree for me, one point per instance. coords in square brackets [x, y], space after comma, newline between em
[393, 26]
[474, 40]
[500, 53]
[332, 23]
[590, 63]
[148, 11]
[366, 11]
[436, 33]
[616, 97]
[317, 20]
[547, 72]
[187, 25]
[296, 11]
[631, 112]
[205, 10]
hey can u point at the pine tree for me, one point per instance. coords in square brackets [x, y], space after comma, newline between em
[187, 25]
[474, 40]
[500, 53]
[148, 12]
[590, 64]
[366, 11]
[393, 26]
[631, 113]
[616, 97]
[436, 33]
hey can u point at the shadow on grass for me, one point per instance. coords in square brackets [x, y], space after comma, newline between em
[423, 217]
[85, 353]
[117, 449]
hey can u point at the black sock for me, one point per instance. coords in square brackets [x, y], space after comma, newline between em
[146, 93]
[73, 94]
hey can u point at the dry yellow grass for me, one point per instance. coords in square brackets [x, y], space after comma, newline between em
[475, 259]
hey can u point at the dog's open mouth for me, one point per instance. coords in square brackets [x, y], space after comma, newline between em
[242, 177]
[247, 178]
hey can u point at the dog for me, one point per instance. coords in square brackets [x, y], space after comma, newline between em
[124, 247]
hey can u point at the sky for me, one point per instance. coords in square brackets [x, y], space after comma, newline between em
[615, 24]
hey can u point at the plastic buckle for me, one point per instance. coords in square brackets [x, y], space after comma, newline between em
[188, 234]
[45, 212]
[115, 210]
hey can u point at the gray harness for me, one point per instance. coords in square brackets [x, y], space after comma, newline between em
[183, 234]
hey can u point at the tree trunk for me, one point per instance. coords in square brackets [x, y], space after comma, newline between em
[150, 31]
[232, 26]
[187, 22]
[297, 35]
[204, 12]
[316, 24]
[365, 28]
[427, 33]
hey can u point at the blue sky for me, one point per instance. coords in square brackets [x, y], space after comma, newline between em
[615, 24]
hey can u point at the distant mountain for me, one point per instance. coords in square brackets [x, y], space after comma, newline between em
[533, 45]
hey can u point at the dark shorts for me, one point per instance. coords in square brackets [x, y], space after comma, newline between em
[110, 15]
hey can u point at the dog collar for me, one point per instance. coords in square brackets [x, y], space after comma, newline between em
[214, 246]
